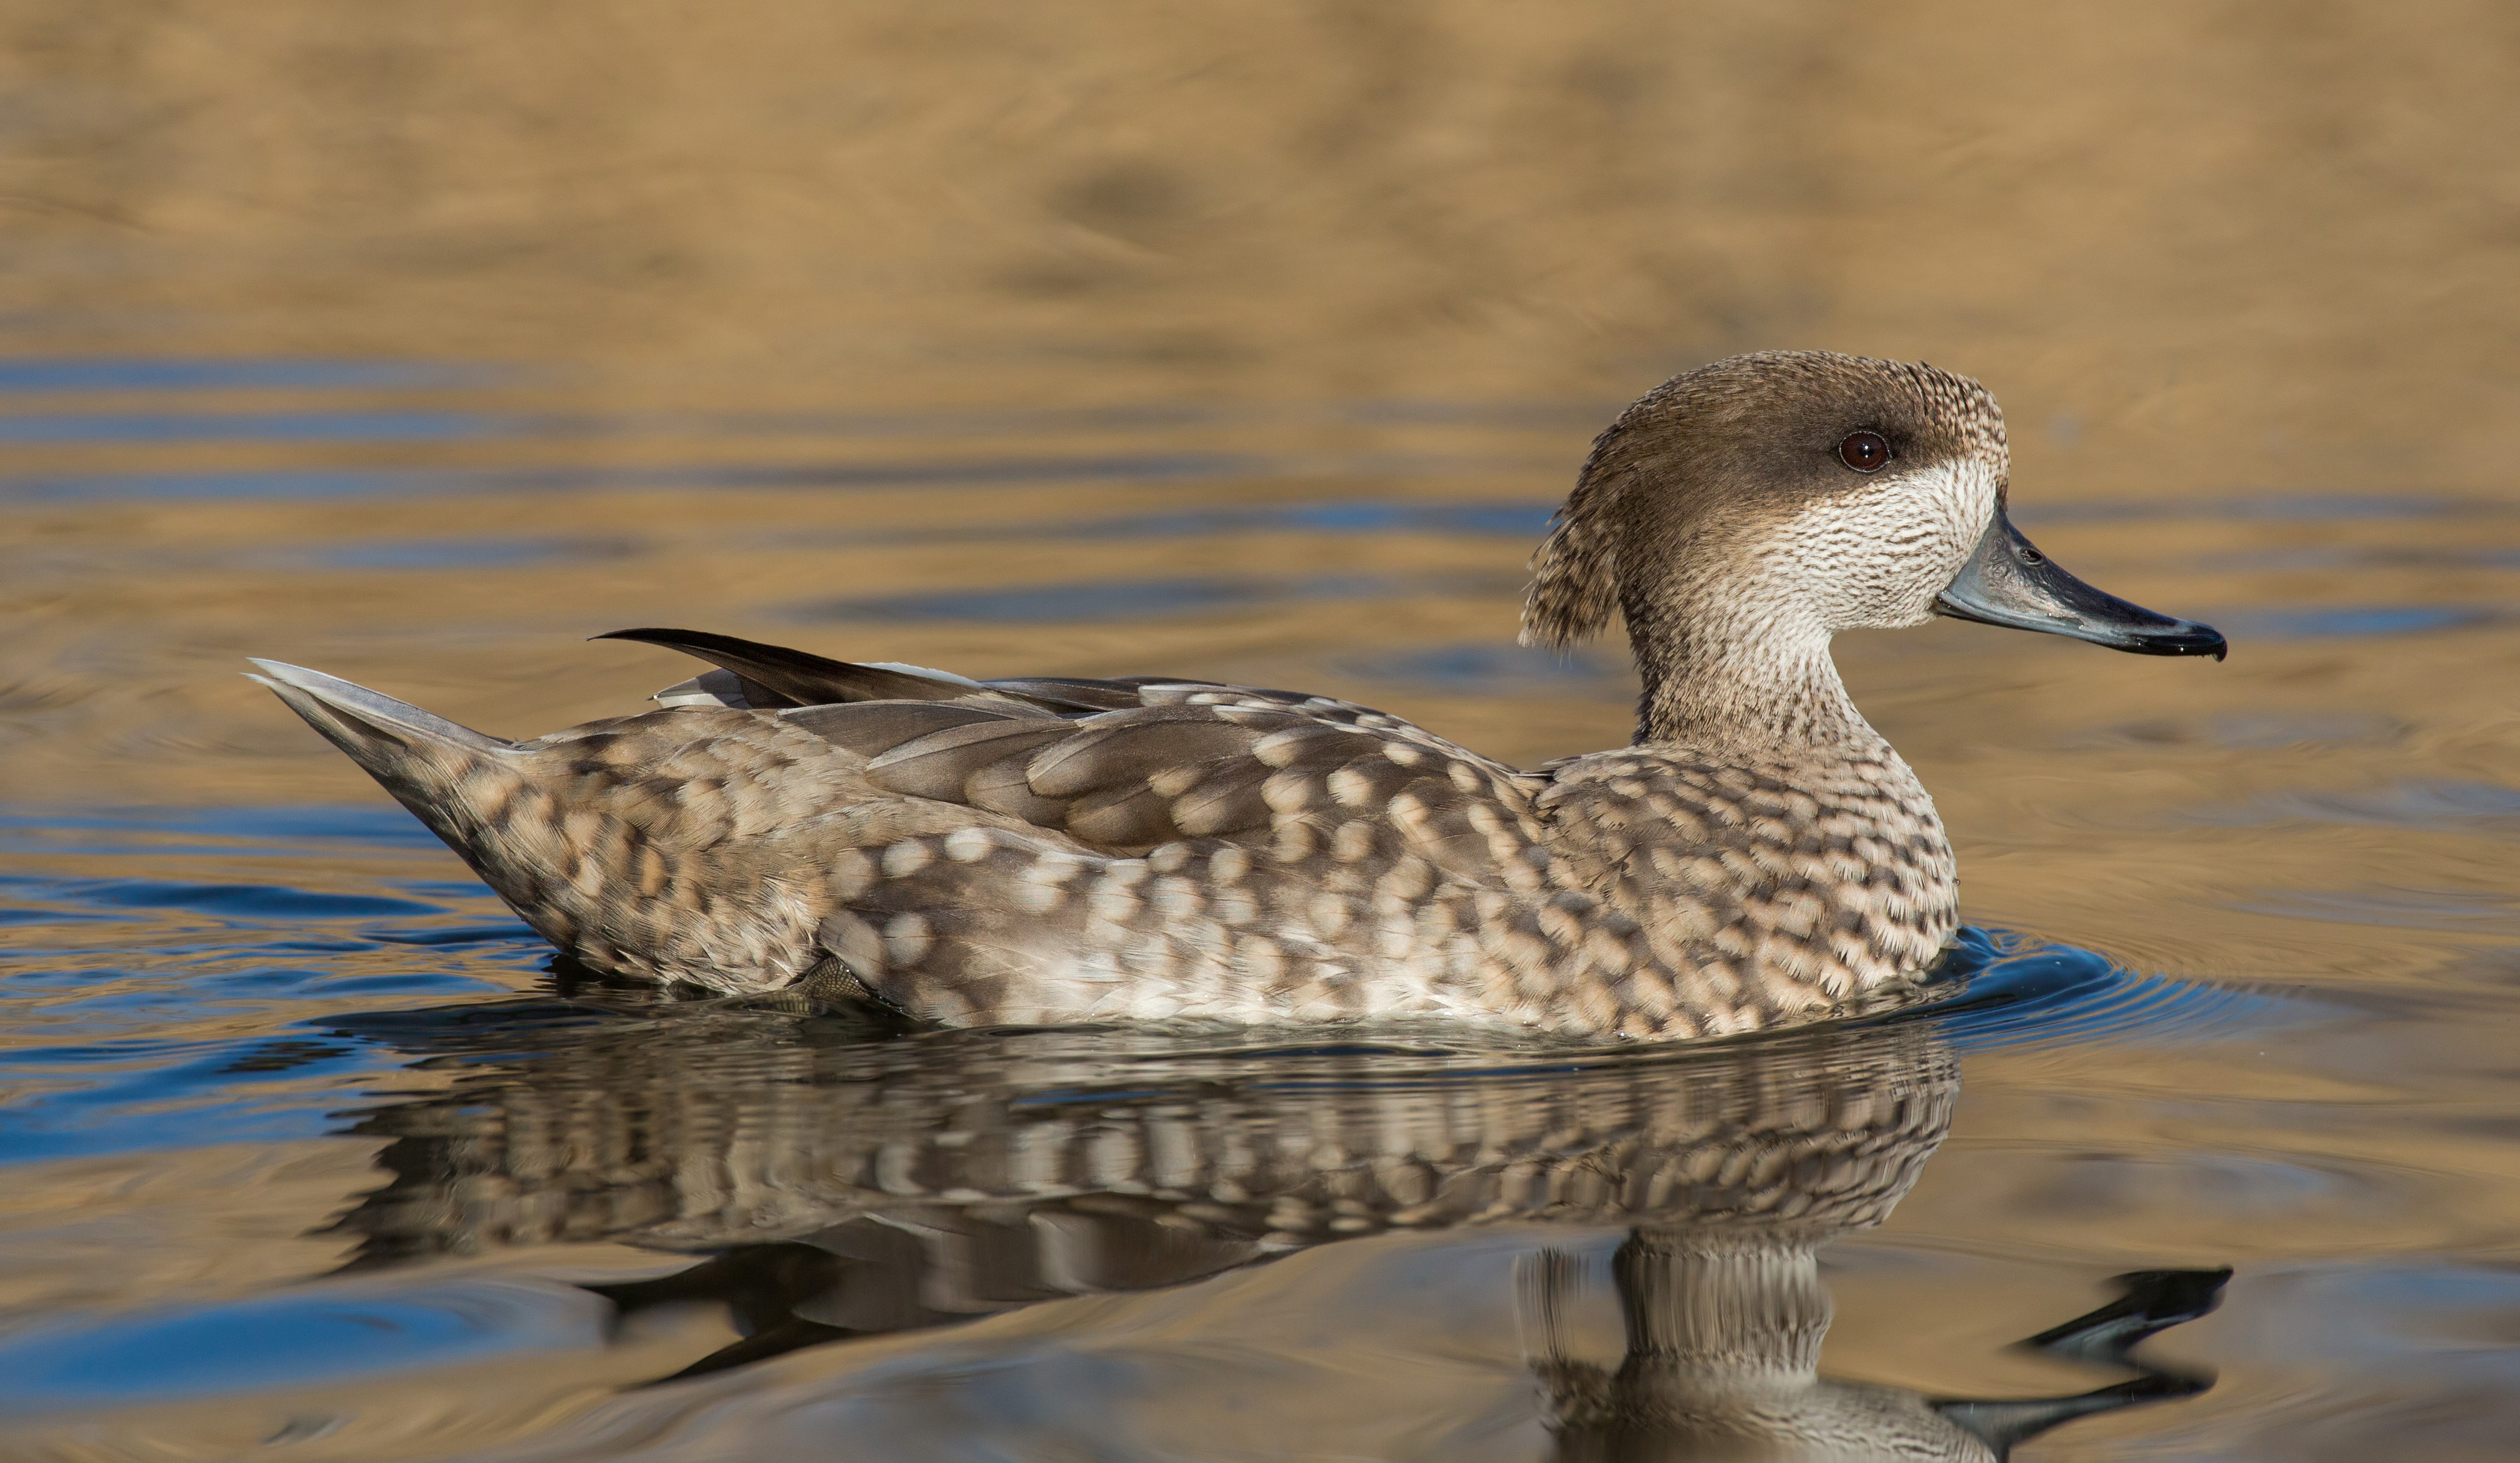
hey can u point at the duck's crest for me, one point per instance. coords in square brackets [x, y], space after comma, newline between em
[1575, 571]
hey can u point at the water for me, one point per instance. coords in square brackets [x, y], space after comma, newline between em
[1257, 345]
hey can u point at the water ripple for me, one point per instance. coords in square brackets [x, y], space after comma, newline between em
[2016, 989]
[30, 376]
[311, 1337]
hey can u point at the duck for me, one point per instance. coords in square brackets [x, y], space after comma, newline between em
[1050, 850]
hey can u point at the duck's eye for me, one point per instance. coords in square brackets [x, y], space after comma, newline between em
[1864, 451]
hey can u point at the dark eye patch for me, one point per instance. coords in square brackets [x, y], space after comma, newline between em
[1864, 451]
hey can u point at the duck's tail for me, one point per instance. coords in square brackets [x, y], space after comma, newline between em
[379, 732]
[563, 831]
[444, 773]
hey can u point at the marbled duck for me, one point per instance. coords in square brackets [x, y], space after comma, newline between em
[1046, 849]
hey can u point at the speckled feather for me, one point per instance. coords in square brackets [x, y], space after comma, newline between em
[1050, 850]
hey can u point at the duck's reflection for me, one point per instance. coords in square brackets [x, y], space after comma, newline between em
[848, 1183]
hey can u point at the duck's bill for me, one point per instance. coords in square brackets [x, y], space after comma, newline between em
[2010, 582]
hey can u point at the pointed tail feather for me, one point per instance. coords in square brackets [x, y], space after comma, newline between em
[455, 780]
[623, 880]
[357, 719]
[427, 761]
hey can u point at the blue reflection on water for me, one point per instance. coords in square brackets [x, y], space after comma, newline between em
[2348, 622]
[1140, 599]
[285, 483]
[255, 427]
[1123, 600]
[26, 375]
[2019, 989]
[26, 830]
[2281, 506]
[293, 1339]
[250, 902]
[1482, 669]
[1516, 521]
[158, 1012]
[454, 553]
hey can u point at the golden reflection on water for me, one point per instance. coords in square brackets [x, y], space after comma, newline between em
[1251, 342]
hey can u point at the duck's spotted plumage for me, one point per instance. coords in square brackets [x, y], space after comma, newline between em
[1050, 850]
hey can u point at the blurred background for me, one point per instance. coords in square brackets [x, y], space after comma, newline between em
[1257, 342]
[1247, 341]
[422, 342]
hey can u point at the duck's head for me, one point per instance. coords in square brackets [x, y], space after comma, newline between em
[1772, 500]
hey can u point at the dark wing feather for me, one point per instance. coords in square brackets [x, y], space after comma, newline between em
[938, 764]
[1226, 801]
[797, 678]
[1122, 817]
[1003, 788]
[803, 679]
[1135, 748]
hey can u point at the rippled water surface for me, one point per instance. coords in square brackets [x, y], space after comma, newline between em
[1252, 344]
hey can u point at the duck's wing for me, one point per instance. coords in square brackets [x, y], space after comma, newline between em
[1125, 765]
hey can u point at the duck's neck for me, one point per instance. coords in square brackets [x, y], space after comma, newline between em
[1715, 1312]
[1732, 677]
